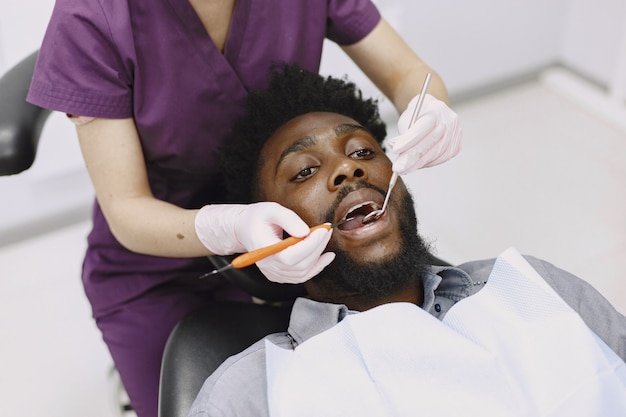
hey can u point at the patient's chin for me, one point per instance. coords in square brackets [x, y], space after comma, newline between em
[381, 256]
[371, 279]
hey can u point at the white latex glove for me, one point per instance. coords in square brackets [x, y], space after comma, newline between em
[226, 229]
[434, 137]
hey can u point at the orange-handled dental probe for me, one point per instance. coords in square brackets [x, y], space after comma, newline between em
[256, 255]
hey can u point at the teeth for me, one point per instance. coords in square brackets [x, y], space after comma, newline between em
[363, 208]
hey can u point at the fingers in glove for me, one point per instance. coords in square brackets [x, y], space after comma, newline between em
[431, 106]
[296, 262]
[293, 224]
[263, 223]
[450, 153]
[304, 253]
[285, 277]
[421, 153]
[413, 160]
[425, 127]
[286, 219]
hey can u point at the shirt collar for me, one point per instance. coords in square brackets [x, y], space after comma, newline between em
[310, 318]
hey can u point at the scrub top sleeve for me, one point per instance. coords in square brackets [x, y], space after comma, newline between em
[349, 21]
[81, 68]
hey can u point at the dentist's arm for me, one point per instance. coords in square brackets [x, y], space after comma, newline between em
[114, 159]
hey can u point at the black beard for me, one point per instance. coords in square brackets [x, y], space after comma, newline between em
[374, 281]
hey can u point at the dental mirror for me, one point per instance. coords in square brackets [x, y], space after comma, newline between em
[375, 215]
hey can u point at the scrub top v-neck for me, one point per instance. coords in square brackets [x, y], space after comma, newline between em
[219, 63]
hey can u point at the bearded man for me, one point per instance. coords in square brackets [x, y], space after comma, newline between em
[382, 330]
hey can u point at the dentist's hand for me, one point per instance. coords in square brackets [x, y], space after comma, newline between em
[226, 229]
[434, 137]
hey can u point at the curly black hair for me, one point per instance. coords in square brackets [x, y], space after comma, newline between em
[292, 92]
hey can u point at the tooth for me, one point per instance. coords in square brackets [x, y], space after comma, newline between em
[353, 208]
[372, 204]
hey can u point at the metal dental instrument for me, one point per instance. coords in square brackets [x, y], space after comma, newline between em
[254, 256]
[375, 215]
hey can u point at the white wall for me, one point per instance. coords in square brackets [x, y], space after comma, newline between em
[594, 43]
[22, 24]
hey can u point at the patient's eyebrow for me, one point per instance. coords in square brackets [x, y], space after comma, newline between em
[344, 128]
[306, 142]
[301, 144]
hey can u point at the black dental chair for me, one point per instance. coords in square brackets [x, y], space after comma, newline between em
[20, 122]
[205, 338]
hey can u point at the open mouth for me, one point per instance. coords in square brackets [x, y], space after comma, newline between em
[356, 214]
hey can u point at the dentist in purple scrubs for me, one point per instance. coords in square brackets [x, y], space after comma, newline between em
[153, 87]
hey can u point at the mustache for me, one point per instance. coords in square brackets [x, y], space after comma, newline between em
[343, 193]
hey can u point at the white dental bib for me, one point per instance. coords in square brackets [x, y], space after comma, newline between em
[513, 349]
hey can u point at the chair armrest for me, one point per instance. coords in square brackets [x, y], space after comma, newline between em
[21, 123]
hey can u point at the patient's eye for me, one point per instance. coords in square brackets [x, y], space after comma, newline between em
[364, 153]
[305, 173]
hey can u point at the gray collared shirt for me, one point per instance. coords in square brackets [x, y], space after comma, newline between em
[239, 386]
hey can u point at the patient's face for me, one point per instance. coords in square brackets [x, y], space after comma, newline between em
[326, 168]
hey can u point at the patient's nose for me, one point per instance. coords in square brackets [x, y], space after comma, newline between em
[347, 170]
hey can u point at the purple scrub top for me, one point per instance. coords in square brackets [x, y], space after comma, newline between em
[153, 60]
